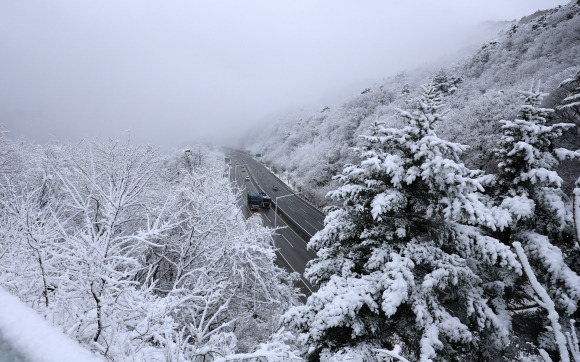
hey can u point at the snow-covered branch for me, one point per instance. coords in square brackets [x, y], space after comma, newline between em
[544, 300]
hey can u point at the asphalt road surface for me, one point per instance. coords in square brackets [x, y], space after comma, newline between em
[290, 241]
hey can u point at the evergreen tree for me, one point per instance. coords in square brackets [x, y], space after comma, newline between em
[405, 91]
[402, 264]
[528, 186]
[573, 99]
[527, 183]
[444, 83]
[570, 105]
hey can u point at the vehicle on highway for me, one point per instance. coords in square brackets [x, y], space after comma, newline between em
[247, 178]
[254, 201]
[266, 200]
[275, 188]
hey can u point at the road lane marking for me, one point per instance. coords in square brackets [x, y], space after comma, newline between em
[286, 240]
[266, 216]
[303, 280]
[306, 221]
[295, 233]
[287, 262]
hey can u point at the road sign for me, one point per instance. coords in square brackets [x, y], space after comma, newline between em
[258, 155]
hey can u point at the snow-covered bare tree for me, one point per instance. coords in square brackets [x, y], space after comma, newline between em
[219, 269]
[29, 230]
[29, 203]
[14, 155]
[106, 228]
[402, 265]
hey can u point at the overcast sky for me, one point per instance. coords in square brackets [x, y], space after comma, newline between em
[174, 71]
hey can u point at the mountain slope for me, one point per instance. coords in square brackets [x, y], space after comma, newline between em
[481, 89]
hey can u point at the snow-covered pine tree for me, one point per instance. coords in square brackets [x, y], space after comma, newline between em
[569, 107]
[528, 186]
[572, 101]
[444, 83]
[527, 183]
[402, 261]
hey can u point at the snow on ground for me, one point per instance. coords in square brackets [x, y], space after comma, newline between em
[26, 336]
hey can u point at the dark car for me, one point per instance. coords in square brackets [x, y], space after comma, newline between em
[275, 188]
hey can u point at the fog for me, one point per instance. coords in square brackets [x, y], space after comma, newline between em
[169, 72]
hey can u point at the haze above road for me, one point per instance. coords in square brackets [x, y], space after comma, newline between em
[173, 72]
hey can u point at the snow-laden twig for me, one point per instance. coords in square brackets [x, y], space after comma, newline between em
[275, 350]
[544, 300]
[394, 353]
[545, 355]
[573, 344]
[576, 211]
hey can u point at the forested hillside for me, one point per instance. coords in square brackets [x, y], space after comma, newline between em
[480, 90]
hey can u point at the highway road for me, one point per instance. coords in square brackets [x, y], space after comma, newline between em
[303, 214]
[307, 220]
